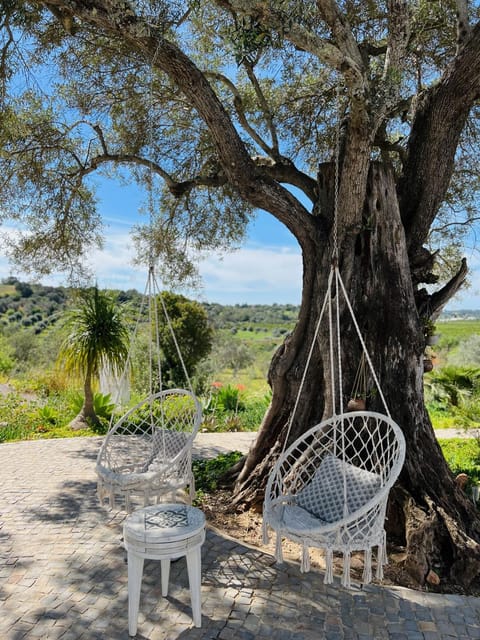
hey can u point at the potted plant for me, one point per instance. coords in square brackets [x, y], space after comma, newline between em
[427, 364]
[358, 403]
[429, 331]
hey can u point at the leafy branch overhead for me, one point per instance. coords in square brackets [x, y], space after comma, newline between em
[363, 114]
[191, 97]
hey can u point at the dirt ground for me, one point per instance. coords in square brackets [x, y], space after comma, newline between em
[247, 527]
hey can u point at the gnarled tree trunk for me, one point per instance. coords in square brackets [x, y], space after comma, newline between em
[428, 513]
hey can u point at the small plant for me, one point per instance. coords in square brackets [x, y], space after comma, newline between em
[48, 414]
[429, 328]
[102, 404]
[208, 473]
[228, 399]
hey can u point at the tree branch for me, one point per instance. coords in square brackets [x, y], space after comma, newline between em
[213, 179]
[285, 171]
[435, 303]
[266, 109]
[397, 40]
[463, 25]
[238, 104]
[438, 122]
[344, 57]
[118, 19]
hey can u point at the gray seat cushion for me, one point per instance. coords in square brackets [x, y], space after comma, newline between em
[323, 496]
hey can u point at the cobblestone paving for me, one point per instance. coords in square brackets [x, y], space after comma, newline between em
[63, 574]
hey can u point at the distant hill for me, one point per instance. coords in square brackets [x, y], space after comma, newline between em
[34, 305]
[464, 314]
[30, 305]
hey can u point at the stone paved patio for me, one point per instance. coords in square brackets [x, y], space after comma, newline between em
[63, 572]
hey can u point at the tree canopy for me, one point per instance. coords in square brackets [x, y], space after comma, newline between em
[355, 124]
[204, 99]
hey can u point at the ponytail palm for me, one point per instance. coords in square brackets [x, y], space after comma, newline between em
[97, 337]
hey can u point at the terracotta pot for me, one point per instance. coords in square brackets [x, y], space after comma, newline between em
[427, 365]
[356, 404]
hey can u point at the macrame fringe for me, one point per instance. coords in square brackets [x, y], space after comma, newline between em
[305, 563]
[367, 566]
[380, 561]
[278, 548]
[328, 579]
[265, 534]
[346, 569]
[384, 549]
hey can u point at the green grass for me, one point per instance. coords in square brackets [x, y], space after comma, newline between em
[462, 456]
[25, 418]
[457, 329]
[442, 421]
[7, 290]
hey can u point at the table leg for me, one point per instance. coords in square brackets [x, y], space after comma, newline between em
[165, 567]
[194, 567]
[135, 572]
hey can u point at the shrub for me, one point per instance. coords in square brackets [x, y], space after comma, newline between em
[48, 414]
[228, 399]
[102, 404]
[462, 456]
[208, 473]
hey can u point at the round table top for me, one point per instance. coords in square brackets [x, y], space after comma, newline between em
[165, 522]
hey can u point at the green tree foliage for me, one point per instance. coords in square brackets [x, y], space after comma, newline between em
[186, 335]
[233, 355]
[222, 108]
[97, 336]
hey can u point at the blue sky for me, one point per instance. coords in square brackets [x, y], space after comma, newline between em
[266, 270]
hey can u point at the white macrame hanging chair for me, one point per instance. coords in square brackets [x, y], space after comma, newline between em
[329, 489]
[146, 455]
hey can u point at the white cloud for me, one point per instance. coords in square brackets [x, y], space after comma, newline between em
[253, 275]
[248, 275]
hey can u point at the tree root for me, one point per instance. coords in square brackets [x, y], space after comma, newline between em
[436, 543]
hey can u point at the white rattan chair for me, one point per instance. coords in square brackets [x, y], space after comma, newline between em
[147, 454]
[329, 489]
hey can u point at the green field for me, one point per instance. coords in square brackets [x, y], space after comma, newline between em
[246, 337]
[456, 330]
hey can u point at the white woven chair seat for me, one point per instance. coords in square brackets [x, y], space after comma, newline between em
[298, 521]
[147, 452]
[329, 489]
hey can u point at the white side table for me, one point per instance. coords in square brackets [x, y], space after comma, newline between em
[162, 532]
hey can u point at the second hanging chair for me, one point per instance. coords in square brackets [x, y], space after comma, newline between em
[146, 455]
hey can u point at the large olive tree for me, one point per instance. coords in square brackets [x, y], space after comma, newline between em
[229, 106]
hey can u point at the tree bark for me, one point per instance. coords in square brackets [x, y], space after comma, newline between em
[376, 236]
[86, 416]
[428, 513]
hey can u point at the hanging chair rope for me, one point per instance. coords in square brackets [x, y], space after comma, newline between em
[329, 488]
[147, 453]
[359, 387]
